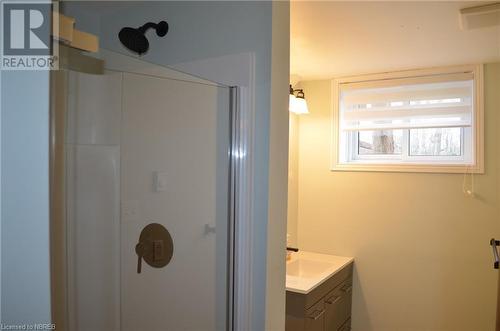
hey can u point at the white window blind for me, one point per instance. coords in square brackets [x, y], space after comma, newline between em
[438, 101]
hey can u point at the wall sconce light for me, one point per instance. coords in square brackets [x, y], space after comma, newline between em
[297, 102]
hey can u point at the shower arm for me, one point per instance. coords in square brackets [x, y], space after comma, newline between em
[147, 26]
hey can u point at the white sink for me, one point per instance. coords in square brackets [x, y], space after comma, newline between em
[307, 270]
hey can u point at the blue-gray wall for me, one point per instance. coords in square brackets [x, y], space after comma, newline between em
[25, 281]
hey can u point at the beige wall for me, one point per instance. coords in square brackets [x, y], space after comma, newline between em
[293, 178]
[421, 247]
[278, 165]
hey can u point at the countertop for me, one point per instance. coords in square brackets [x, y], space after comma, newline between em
[307, 270]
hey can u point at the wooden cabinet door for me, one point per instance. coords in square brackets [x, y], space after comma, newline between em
[333, 301]
[338, 306]
[315, 317]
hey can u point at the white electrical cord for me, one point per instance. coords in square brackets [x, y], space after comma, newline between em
[468, 192]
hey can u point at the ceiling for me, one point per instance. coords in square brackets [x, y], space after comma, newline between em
[333, 38]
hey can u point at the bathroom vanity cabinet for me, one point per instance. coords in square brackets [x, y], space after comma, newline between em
[325, 308]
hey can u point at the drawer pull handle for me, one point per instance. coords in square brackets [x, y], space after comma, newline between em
[346, 288]
[333, 300]
[494, 243]
[318, 315]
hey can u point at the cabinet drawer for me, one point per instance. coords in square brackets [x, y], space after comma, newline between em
[315, 317]
[338, 306]
[327, 307]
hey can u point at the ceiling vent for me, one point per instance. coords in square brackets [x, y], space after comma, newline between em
[482, 16]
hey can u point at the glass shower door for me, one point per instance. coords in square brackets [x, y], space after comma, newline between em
[146, 177]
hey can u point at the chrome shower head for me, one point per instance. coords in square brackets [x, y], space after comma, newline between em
[135, 39]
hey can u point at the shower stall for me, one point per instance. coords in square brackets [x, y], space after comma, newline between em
[142, 216]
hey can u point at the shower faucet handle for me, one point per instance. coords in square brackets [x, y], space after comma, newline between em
[155, 246]
[139, 250]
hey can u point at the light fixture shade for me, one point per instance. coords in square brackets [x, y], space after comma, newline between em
[291, 103]
[298, 105]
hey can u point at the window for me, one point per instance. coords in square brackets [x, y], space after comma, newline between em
[422, 120]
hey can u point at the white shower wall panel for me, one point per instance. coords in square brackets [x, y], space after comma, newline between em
[94, 108]
[123, 130]
[93, 220]
[178, 129]
[93, 200]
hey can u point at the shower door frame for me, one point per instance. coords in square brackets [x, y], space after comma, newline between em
[240, 204]
[227, 70]
[238, 72]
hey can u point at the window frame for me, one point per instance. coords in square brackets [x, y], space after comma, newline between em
[409, 163]
[405, 157]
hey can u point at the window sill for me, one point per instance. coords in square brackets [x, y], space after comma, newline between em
[413, 168]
